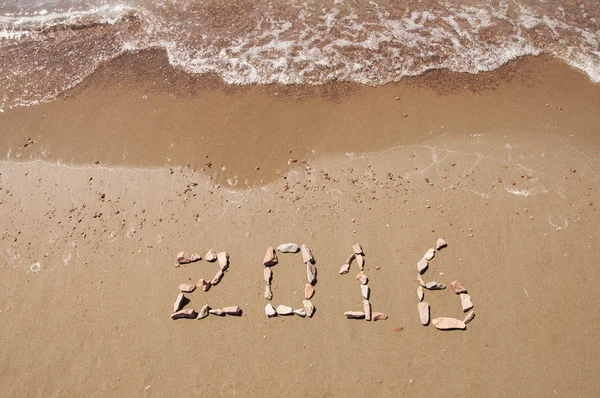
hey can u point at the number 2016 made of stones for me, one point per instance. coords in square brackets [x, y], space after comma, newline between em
[308, 309]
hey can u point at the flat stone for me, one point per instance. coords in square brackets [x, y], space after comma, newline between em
[466, 302]
[301, 312]
[354, 315]
[189, 313]
[223, 258]
[178, 302]
[217, 278]
[203, 312]
[429, 255]
[422, 265]
[420, 280]
[233, 310]
[360, 260]
[309, 291]
[204, 285]
[448, 323]
[309, 307]
[195, 257]
[268, 275]
[433, 285]
[365, 290]
[268, 292]
[345, 269]
[284, 310]
[379, 316]
[441, 243]
[469, 317]
[270, 311]
[307, 256]
[397, 328]
[367, 307]
[210, 256]
[350, 259]
[184, 287]
[457, 287]
[357, 249]
[217, 312]
[362, 278]
[420, 293]
[288, 248]
[183, 258]
[270, 257]
[423, 308]
[311, 273]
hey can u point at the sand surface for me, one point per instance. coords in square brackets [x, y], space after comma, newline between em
[504, 165]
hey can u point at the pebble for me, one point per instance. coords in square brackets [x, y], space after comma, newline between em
[429, 255]
[420, 293]
[420, 280]
[379, 316]
[466, 302]
[268, 292]
[309, 307]
[367, 307]
[360, 260]
[366, 291]
[354, 315]
[357, 249]
[397, 328]
[184, 287]
[195, 257]
[458, 287]
[223, 258]
[233, 310]
[433, 285]
[350, 259]
[345, 269]
[203, 312]
[270, 311]
[288, 248]
[217, 312]
[270, 257]
[268, 275]
[178, 302]
[309, 291]
[284, 310]
[423, 308]
[362, 278]
[183, 258]
[311, 273]
[307, 256]
[217, 278]
[422, 265]
[441, 243]
[448, 323]
[210, 256]
[189, 313]
[469, 317]
[204, 285]
[301, 312]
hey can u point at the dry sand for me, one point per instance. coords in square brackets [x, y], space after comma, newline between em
[504, 165]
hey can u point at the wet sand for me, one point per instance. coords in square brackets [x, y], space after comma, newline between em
[504, 165]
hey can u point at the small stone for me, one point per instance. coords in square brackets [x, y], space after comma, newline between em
[204, 285]
[367, 307]
[270, 311]
[397, 328]
[309, 307]
[448, 323]
[362, 278]
[423, 308]
[178, 302]
[223, 258]
[189, 313]
[234, 310]
[379, 316]
[366, 291]
[466, 302]
[458, 287]
[268, 275]
[350, 259]
[433, 285]
[311, 273]
[441, 243]
[345, 269]
[429, 255]
[210, 256]
[217, 312]
[301, 312]
[183, 258]
[217, 278]
[288, 248]
[360, 260]
[307, 256]
[469, 317]
[195, 257]
[309, 291]
[420, 293]
[420, 280]
[203, 312]
[284, 310]
[270, 257]
[184, 287]
[354, 315]
[268, 292]
[422, 265]
[357, 249]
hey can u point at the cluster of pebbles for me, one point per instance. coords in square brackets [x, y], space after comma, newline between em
[442, 323]
[222, 259]
[309, 290]
[367, 313]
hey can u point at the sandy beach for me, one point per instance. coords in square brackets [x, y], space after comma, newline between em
[103, 186]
